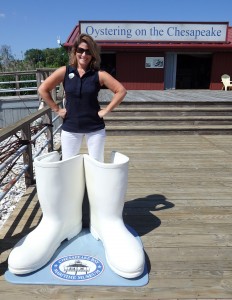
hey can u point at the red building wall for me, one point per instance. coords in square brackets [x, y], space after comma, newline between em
[131, 72]
[221, 64]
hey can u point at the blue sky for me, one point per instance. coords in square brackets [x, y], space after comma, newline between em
[27, 24]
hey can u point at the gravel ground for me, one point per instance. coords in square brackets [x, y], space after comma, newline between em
[8, 203]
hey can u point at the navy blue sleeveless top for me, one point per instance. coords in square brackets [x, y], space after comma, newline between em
[82, 101]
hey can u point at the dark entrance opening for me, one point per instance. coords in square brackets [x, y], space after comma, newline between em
[193, 71]
[108, 63]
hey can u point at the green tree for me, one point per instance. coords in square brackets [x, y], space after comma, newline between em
[35, 56]
[55, 57]
[49, 57]
[63, 56]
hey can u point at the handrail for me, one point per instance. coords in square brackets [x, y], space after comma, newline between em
[17, 82]
[25, 150]
[14, 90]
[24, 126]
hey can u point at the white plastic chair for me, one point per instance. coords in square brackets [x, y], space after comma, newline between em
[227, 83]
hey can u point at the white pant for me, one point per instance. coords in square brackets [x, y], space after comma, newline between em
[71, 144]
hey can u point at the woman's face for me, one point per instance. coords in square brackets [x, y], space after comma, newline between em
[83, 55]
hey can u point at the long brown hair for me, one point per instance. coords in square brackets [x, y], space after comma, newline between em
[93, 48]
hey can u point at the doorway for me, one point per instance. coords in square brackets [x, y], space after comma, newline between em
[108, 63]
[193, 71]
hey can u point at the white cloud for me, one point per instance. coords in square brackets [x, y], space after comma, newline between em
[2, 15]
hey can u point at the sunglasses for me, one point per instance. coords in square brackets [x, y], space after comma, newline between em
[82, 50]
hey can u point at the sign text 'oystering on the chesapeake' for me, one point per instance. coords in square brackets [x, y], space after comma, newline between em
[172, 32]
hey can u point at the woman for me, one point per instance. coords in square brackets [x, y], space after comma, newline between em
[82, 115]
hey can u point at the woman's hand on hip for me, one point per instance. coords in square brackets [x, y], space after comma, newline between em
[103, 112]
[62, 112]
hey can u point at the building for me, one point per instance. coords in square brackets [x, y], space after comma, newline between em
[162, 55]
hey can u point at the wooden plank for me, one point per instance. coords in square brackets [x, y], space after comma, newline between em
[178, 200]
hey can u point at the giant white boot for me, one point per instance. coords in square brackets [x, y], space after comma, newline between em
[106, 186]
[60, 189]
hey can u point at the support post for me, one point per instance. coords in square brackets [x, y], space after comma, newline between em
[27, 155]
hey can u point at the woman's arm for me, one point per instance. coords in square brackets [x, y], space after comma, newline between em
[116, 87]
[49, 84]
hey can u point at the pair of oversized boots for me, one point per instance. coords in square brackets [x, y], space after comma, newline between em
[60, 188]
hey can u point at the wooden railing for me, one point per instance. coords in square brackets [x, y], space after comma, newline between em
[26, 139]
[23, 82]
[27, 131]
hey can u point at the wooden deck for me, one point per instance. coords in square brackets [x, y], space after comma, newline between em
[179, 200]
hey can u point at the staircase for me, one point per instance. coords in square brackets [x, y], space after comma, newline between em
[170, 117]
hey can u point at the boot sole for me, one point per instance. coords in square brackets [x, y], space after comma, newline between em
[45, 261]
[117, 271]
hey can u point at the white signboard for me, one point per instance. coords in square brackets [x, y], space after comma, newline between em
[157, 32]
[154, 62]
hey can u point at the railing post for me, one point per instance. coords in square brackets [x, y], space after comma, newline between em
[49, 131]
[17, 84]
[38, 81]
[27, 155]
[53, 92]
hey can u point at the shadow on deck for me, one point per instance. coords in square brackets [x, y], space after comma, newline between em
[179, 202]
